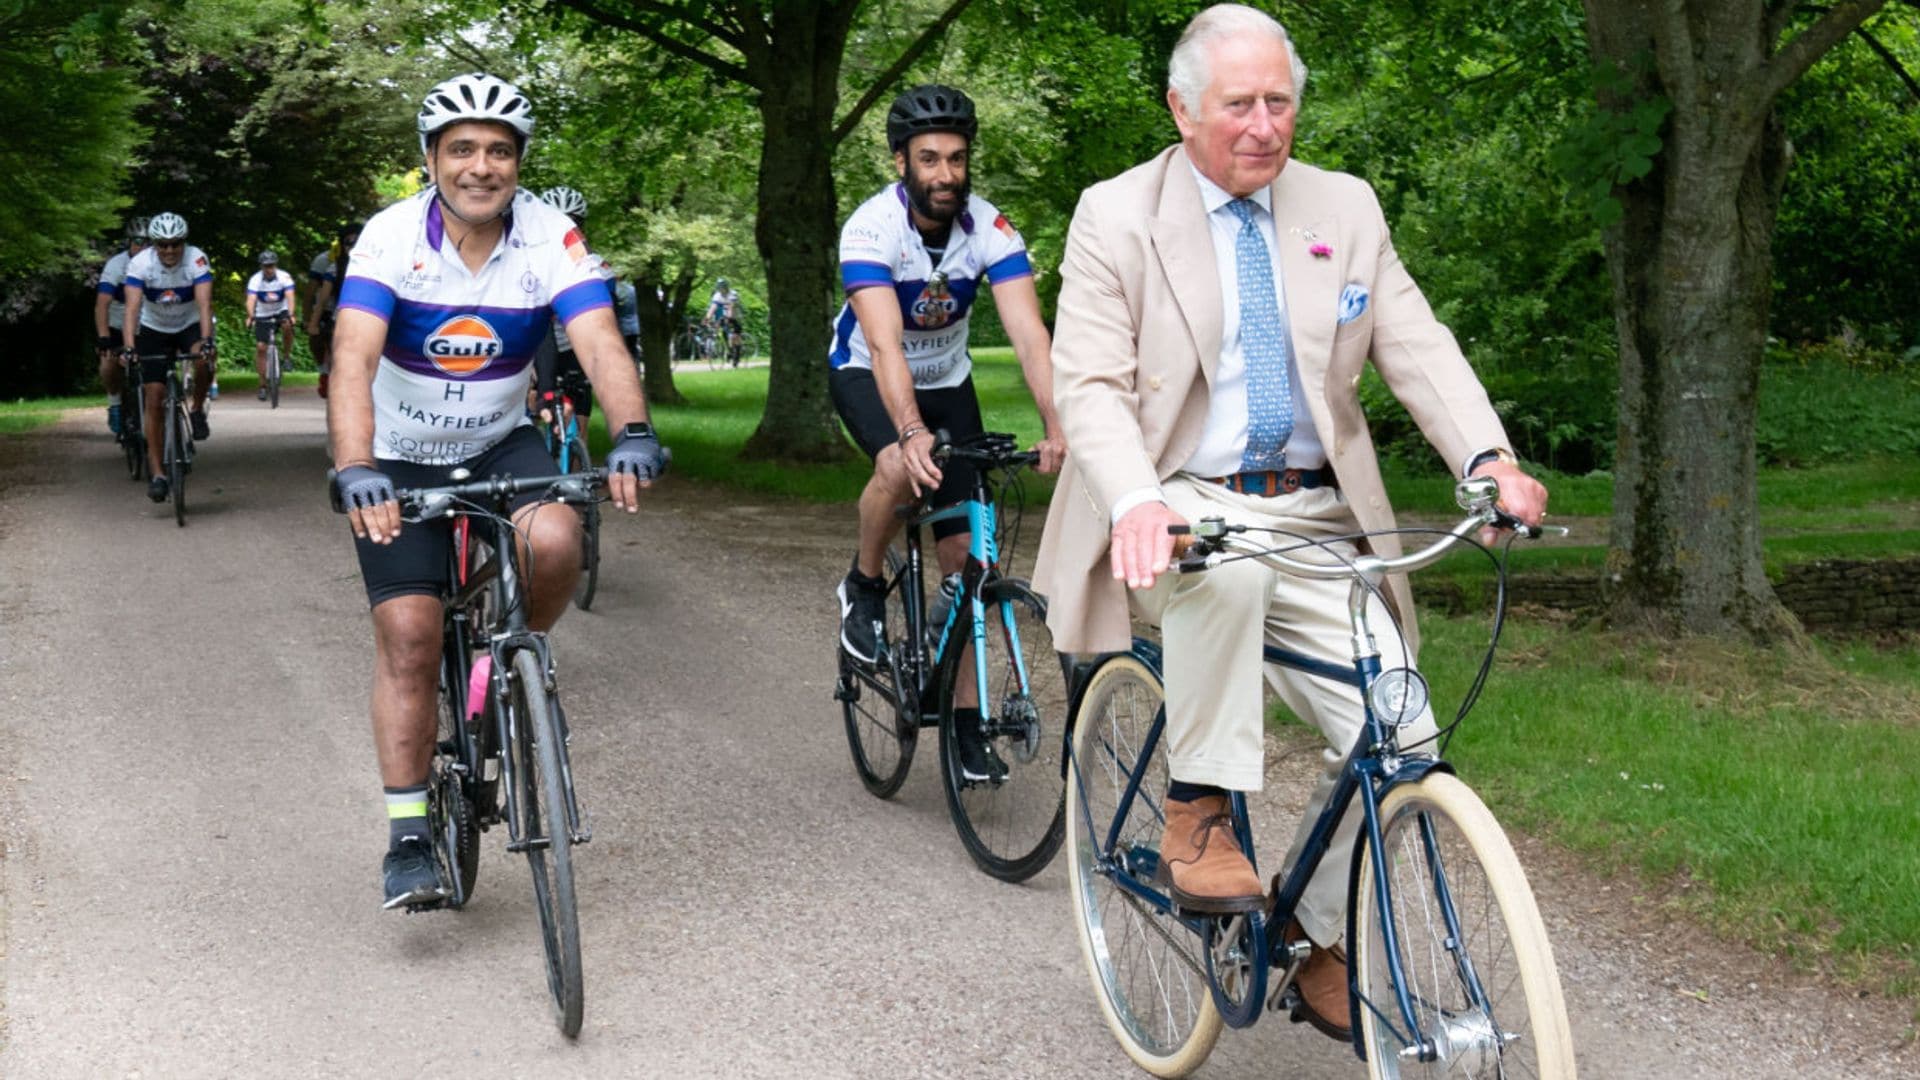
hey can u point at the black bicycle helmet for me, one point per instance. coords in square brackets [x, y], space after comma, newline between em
[931, 107]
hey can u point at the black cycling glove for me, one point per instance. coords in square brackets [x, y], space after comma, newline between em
[363, 488]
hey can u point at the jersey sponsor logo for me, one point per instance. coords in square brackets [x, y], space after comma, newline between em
[1005, 227]
[463, 345]
[935, 306]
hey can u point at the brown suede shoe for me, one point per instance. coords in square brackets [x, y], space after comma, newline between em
[1208, 872]
[1322, 983]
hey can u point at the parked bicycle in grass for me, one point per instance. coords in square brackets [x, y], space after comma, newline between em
[980, 667]
[1452, 973]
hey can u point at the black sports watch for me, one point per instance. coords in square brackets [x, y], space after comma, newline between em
[639, 429]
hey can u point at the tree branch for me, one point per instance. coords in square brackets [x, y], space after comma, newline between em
[1673, 49]
[592, 9]
[1899, 70]
[888, 77]
[1811, 44]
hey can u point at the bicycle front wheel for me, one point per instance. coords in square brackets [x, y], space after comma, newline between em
[1010, 819]
[879, 708]
[1148, 967]
[273, 376]
[176, 459]
[1476, 963]
[542, 800]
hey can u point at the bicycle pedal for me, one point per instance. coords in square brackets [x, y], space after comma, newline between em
[425, 906]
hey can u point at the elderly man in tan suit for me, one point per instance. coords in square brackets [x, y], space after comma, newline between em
[1217, 306]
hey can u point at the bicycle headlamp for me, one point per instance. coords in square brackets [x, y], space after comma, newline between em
[1399, 696]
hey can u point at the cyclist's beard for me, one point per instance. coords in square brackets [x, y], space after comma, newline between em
[921, 195]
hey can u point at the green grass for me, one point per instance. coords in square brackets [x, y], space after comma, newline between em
[21, 415]
[1772, 794]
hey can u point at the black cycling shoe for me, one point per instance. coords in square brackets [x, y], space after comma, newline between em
[978, 763]
[199, 420]
[412, 875]
[157, 489]
[863, 616]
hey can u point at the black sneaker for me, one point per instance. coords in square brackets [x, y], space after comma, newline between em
[978, 763]
[863, 616]
[199, 420]
[262, 395]
[157, 489]
[411, 874]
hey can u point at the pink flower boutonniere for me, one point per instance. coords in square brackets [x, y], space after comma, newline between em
[1320, 251]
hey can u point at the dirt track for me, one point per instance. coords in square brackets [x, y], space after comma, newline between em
[192, 829]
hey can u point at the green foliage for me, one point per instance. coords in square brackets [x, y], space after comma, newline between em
[1608, 146]
[69, 132]
[1831, 403]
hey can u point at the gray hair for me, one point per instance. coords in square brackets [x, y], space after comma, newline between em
[1190, 70]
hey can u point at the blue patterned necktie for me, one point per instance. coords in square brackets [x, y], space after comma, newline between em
[1265, 342]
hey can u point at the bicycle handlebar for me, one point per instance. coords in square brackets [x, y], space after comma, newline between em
[1202, 546]
[418, 504]
[992, 449]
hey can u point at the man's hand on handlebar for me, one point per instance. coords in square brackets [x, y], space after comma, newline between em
[916, 453]
[1520, 495]
[1141, 548]
[632, 464]
[1052, 449]
[372, 509]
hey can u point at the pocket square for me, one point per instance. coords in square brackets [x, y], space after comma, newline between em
[1353, 301]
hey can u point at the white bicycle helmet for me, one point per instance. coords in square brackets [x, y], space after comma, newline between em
[566, 200]
[167, 226]
[476, 96]
[137, 228]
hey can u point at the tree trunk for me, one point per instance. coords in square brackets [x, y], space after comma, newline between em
[796, 234]
[656, 332]
[1691, 262]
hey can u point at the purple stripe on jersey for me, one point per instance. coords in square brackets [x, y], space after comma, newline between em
[138, 283]
[580, 298]
[368, 295]
[203, 279]
[436, 228]
[860, 274]
[1009, 268]
[110, 290]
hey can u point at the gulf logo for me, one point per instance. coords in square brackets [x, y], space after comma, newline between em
[463, 345]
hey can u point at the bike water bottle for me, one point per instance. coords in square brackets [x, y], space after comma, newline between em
[942, 604]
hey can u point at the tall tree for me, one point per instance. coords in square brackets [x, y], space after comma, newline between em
[1691, 259]
[790, 53]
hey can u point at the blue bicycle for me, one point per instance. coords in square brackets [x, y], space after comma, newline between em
[1004, 779]
[1451, 972]
[568, 445]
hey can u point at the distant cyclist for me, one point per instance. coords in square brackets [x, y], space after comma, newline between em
[723, 311]
[912, 261]
[324, 273]
[169, 310]
[270, 308]
[626, 311]
[443, 302]
[109, 313]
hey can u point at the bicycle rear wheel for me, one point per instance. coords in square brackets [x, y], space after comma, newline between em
[542, 801]
[879, 708]
[1478, 967]
[1010, 826]
[583, 589]
[1148, 967]
[176, 458]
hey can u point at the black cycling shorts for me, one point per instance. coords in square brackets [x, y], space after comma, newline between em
[416, 563]
[953, 409]
[157, 349]
[265, 325]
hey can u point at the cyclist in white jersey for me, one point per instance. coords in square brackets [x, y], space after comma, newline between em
[324, 274]
[109, 313]
[723, 312]
[169, 311]
[445, 297]
[270, 306]
[912, 260]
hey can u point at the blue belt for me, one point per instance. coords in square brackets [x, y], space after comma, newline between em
[1269, 482]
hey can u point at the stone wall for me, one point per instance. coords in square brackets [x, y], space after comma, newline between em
[1838, 595]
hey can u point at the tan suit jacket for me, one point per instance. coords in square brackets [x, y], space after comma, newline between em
[1138, 336]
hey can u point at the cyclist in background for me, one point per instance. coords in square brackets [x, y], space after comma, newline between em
[324, 273]
[556, 369]
[169, 309]
[443, 302]
[912, 260]
[109, 311]
[626, 311]
[270, 306]
[723, 311]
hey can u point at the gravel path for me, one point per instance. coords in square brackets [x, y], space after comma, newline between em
[192, 830]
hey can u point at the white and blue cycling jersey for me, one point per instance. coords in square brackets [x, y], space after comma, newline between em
[166, 292]
[879, 246]
[452, 379]
[270, 297]
[113, 282]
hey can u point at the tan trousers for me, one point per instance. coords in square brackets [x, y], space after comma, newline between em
[1213, 626]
